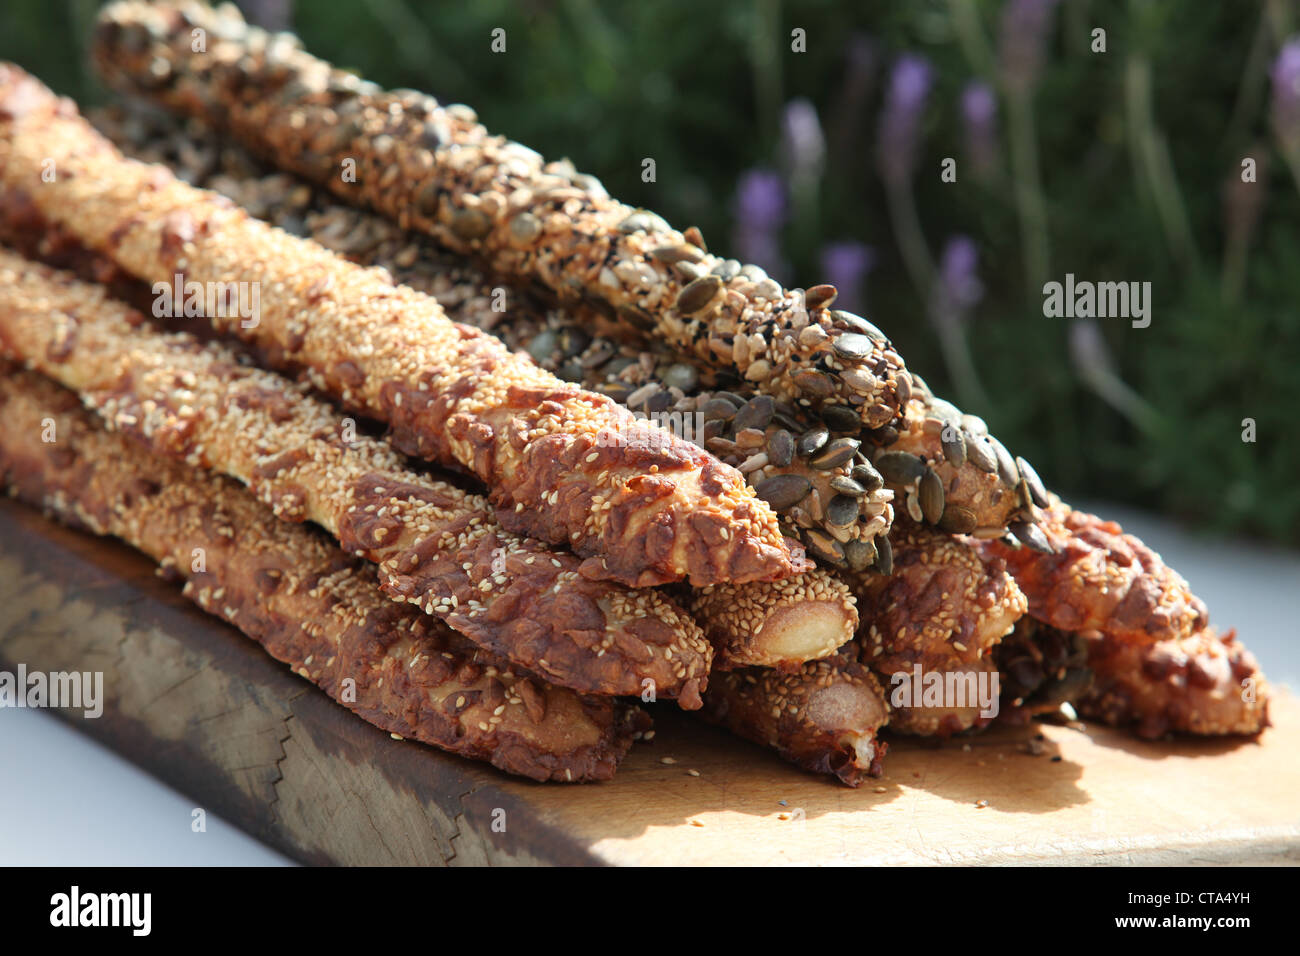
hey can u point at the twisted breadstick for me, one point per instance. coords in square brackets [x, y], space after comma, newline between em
[303, 599]
[643, 506]
[436, 546]
[436, 169]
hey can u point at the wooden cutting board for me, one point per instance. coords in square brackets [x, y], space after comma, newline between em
[205, 709]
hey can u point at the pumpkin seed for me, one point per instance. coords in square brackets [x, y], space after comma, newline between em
[1036, 489]
[884, 556]
[957, 520]
[867, 476]
[903, 389]
[900, 467]
[783, 491]
[954, 447]
[847, 486]
[820, 296]
[980, 453]
[835, 454]
[825, 547]
[815, 383]
[851, 346]
[1032, 536]
[859, 554]
[726, 270]
[1006, 464]
[669, 255]
[780, 448]
[931, 495]
[811, 441]
[637, 222]
[858, 324]
[470, 224]
[842, 511]
[697, 294]
[841, 418]
[756, 413]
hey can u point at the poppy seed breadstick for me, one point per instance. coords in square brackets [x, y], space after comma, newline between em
[436, 546]
[310, 605]
[436, 169]
[823, 717]
[641, 505]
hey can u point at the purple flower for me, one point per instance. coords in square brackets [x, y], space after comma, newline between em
[979, 113]
[960, 285]
[803, 146]
[760, 213]
[909, 86]
[1021, 42]
[846, 266]
[1286, 94]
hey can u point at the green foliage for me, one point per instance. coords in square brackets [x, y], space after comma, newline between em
[700, 88]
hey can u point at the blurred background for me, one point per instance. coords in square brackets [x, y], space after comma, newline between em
[813, 139]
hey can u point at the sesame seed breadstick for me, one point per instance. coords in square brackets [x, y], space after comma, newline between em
[436, 169]
[435, 546]
[1101, 579]
[823, 717]
[779, 624]
[1205, 684]
[824, 490]
[943, 610]
[641, 505]
[310, 605]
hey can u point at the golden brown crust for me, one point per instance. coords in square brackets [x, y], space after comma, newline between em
[643, 506]
[438, 170]
[303, 599]
[436, 546]
[823, 718]
[943, 607]
[1203, 684]
[780, 624]
[1100, 578]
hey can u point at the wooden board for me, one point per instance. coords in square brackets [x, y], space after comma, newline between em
[205, 709]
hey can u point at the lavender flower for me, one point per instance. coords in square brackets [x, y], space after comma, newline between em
[909, 86]
[959, 283]
[803, 147]
[1023, 37]
[1286, 95]
[760, 214]
[846, 266]
[979, 113]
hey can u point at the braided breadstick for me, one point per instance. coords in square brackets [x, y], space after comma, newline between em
[436, 546]
[643, 506]
[824, 717]
[303, 599]
[436, 169]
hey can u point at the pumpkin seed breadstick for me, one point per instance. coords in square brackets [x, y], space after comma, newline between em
[436, 169]
[641, 505]
[310, 605]
[824, 717]
[436, 546]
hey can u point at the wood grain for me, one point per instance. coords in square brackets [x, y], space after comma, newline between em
[206, 710]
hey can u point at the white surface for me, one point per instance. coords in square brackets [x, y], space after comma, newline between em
[67, 800]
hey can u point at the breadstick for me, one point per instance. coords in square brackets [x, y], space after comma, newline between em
[436, 546]
[642, 506]
[303, 599]
[436, 169]
[823, 718]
